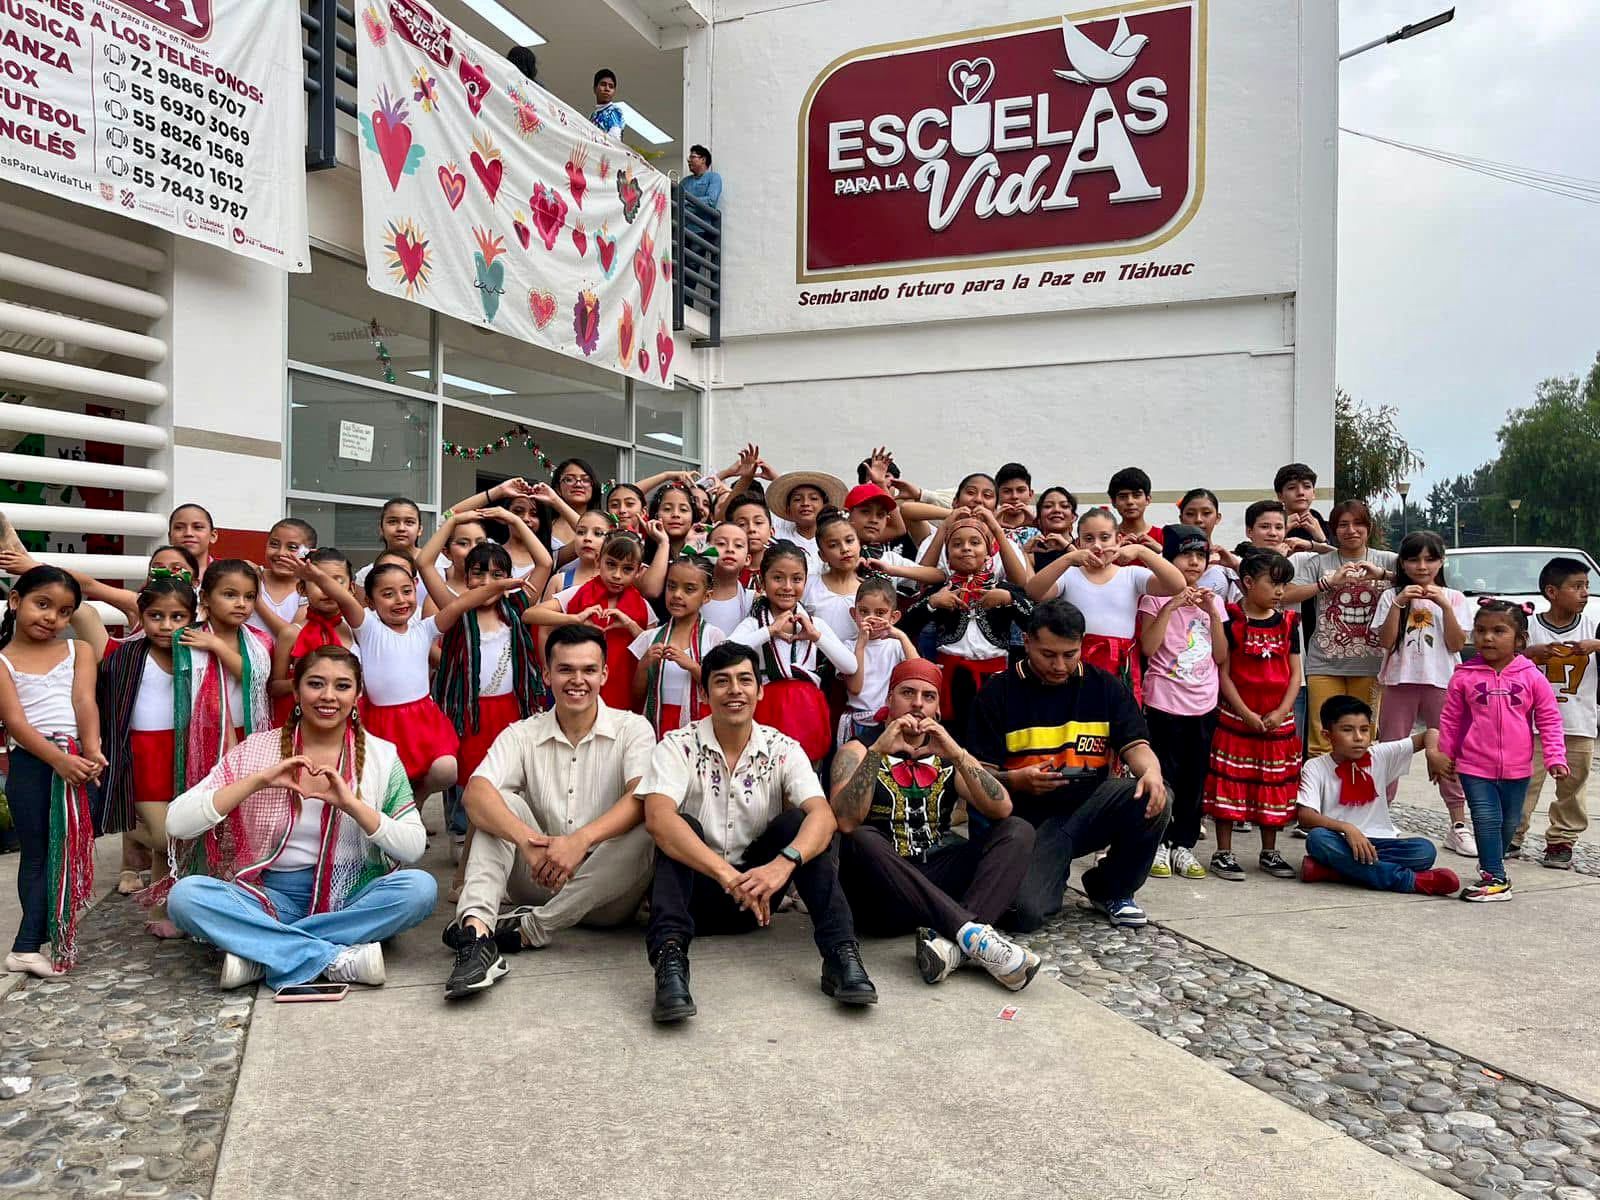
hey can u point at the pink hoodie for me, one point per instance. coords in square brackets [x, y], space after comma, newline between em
[1490, 717]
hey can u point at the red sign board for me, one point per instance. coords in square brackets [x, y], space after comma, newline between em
[1047, 140]
[192, 18]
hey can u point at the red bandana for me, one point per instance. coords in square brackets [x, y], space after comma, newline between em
[1356, 785]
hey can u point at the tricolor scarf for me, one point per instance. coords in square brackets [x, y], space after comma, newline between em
[775, 668]
[456, 683]
[116, 690]
[1356, 784]
[251, 837]
[971, 588]
[652, 685]
[71, 862]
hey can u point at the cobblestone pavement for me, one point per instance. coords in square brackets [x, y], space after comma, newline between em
[116, 1079]
[1435, 824]
[1459, 1121]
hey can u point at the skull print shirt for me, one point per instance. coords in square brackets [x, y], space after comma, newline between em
[1345, 641]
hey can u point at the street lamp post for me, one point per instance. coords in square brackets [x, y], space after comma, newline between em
[1401, 34]
[1515, 504]
[1404, 488]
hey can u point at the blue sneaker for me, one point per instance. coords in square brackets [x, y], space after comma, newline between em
[1122, 912]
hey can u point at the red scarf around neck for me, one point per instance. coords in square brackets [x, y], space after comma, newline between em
[1356, 784]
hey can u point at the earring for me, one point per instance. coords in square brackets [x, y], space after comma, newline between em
[297, 711]
[355, 716]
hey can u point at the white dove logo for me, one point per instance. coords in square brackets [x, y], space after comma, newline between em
[1094, 64]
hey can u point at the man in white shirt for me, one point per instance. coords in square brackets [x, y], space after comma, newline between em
[1344, 805]
[738, 814]
[558, 820]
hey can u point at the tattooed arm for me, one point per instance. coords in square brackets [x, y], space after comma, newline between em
[855, 768]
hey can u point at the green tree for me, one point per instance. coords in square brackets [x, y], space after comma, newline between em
[1370, 455]
[1477, 501]
[1550, 459]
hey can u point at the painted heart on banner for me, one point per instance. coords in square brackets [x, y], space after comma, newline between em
[580, 239]
[393, 138]
[664, 348]
[542, 305]
[474, 82]
[411, 250]
[454, 184]
[549, 213]
[644, 270]
[666, 268]
[519, 226]
[490, 173]
[607, 249]
[644, 361]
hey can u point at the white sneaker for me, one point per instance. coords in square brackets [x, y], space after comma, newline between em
[1161, 867]
[458, 847]
[236, 972]
[1460, 841]
[937, 957]
[358, 964]
[1185, 864]
[1011, 964]
[33, 963]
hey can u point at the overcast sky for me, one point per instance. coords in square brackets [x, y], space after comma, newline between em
[1458, 293]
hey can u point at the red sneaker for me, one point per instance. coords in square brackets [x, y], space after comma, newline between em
[1438, 882]
[1311, 871]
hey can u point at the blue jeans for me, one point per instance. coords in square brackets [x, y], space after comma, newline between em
[293, 947]
[1496, 808]
[1399, 859]
[28, 794]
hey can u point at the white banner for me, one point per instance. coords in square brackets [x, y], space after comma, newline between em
[188, 115]
[486, 198]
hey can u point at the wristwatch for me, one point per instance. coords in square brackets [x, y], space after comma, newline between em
[794, 856]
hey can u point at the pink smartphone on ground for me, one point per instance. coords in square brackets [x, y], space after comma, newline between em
[311, 993]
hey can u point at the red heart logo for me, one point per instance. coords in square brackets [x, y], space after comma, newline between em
[489, 174]
[410, 254]
[607, 248]
[394, 144]
[644, 270]
[524, 234]
[664, 348]
[580, 239]
[543, 307]
[549, 213]
[454, 184]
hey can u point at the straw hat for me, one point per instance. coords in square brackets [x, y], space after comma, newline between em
[778, 491]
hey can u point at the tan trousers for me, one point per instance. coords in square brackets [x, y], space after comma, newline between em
[1568, 817]
[1322, 687]
[606, 889]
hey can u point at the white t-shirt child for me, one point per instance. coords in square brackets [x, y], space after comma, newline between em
[1420, 656]
[1572, 677]
[1319, 788]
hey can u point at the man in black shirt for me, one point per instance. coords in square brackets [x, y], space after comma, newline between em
[1048, 729]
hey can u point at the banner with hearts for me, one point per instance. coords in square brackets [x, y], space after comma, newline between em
[477, 185]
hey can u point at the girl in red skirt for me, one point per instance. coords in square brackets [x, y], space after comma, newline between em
[321, 624]
[1255, 753]
[798, 655]
[612, 604]
[666, 683]
[145, 708]
[396, 704]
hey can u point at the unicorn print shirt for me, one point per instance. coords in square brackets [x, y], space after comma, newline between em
[1181, 678]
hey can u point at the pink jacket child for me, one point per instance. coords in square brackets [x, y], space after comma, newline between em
[1490, 718]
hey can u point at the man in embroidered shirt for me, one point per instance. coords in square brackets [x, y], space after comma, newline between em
[1048, 729]
[894, 791]
[607, 115]
[559, 824]
[1344, 806]
[738, 814]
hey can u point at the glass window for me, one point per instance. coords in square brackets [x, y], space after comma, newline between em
[332, 314]
[495, 371]
[352, 441]
[667, 422]
[352, 528]
[646, 464]
[460, 475]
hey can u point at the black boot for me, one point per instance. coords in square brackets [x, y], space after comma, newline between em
[845, 978]
[673, 1001]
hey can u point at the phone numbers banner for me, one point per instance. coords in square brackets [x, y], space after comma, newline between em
[184, 114]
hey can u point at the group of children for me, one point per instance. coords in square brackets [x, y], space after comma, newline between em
[834, 587]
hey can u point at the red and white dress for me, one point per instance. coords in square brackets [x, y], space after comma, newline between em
[497, 699]
[1256, 776]
[1110, 618]
[397, 705]
[672, 700]
[792, 700]
[618, 689]
[151, 741]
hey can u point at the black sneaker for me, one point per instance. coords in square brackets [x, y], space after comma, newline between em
[1557, 856]
[1274, 863]
[478, 965]
[673, 1001]
[1225, 866]
[507, 931]
[844, 976]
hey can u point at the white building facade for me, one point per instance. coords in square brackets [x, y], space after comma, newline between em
[975, 232]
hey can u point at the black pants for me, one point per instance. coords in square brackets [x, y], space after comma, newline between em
[891, 895]
[28, 794]
[684, 902]
[1183, 744]
[1111, 818]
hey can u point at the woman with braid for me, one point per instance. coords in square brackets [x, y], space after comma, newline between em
[666, 683]
[297, 836]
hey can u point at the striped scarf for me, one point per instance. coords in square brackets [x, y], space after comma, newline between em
[776, 668]
[652, 685]
[456, 683]
[115, 691]
[71, 862]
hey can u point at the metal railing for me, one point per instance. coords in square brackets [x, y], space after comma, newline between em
[325, 43]
[697, 251]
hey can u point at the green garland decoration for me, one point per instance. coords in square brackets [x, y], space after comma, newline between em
[515, 436]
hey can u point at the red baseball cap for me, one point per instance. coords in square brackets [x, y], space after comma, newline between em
[865, 493]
